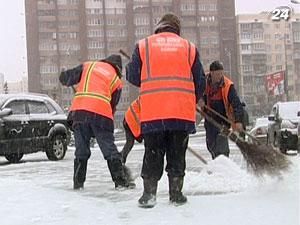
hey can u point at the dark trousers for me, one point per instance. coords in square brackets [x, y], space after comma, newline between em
[83, 131]
[173, 144]
[216, 143]
[129, 141]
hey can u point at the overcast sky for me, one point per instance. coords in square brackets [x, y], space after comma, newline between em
[13, 59]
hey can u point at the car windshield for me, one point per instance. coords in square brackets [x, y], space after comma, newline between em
[289, 110]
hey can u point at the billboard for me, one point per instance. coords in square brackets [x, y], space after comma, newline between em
[275, 83]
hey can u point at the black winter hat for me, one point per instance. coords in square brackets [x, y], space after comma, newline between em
[116, 61]
[168, 20]
[216, 65]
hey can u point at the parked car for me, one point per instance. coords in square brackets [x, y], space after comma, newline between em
[30, 123]
[283, 131]
[260, 129]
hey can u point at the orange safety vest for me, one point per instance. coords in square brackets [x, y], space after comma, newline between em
[224, 92]
[132, 118]
[93, 93]
[167, 88]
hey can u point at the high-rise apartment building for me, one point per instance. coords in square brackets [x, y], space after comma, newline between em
[63, 33]
[265, 47]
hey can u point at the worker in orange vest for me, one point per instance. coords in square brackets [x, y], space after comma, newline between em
[221, 96]
[168, 71]
[97, 94]
[132, 127]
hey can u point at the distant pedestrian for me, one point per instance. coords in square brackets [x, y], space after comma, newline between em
[221, 96]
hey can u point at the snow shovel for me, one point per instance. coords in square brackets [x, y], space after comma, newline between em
[262, 159]
[196, 154]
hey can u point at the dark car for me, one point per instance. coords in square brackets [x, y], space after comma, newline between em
[283, 130]
[30, 123]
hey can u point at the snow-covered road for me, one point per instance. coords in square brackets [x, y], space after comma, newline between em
[38, 191]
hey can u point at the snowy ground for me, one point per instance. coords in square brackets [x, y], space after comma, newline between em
[38, 191]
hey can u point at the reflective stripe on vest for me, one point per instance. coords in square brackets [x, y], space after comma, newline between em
[93, 93]
[167, 88]
[132, 117]
[224, 93]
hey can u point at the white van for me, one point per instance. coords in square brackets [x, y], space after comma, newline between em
[283, 130]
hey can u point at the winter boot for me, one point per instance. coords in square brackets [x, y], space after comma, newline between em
[79, 173]
[175, 187]
[148, 199]
[118, 175]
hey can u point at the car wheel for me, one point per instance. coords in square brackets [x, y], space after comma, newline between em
[14, 157]
[57, 148]
[283, 150]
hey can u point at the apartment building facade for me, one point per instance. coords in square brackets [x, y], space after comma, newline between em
[266, 47]
[63, 33]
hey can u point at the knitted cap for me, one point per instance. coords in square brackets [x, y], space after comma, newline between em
[168, 20]
[216, 65]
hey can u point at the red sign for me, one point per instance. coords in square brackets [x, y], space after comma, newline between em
[275, 83]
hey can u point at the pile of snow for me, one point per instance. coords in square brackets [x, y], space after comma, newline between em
[219, 176]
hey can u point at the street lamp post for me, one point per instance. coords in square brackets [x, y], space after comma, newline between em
[285, 80]
[286, 86]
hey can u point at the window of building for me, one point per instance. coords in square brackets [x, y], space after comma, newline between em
[187, 7]
[142, 31]
[269, 68]
[95, 33]
[245, 36]
[45, 46]
[95, 21]
[269, 58]
[259, 46]
[247, 68]
[278, 47]
[141, 21]
[214, 40]
[111, 33]
[258, 36]
[110, 21]
[50, 69]
[73, 35]
[95, 44]
[296, 35]
[61, 2]
[122, 21]
[74, 2]
[50, 12]
[278, 67]
[278, 58]
[246, 47]
[245, 26]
